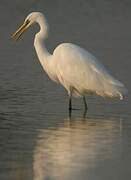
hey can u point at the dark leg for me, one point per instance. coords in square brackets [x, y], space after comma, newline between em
[70, 106]
[70, 99]
[85, 104]
[70, 103]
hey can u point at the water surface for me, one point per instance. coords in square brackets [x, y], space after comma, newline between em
[38, 139]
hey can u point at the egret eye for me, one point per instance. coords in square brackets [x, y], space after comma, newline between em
[27, 21]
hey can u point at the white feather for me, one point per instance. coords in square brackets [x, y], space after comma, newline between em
[80, 70]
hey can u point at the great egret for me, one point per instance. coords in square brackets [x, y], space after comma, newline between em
[70, 65]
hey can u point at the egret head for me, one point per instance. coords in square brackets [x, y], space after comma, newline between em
[34, 17]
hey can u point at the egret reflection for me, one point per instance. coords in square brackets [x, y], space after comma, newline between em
[75, 146]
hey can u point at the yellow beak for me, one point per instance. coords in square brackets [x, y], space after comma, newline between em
[20, 30]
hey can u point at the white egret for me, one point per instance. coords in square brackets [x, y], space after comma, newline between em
[71, 66]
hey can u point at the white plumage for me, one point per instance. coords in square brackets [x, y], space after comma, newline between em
[73, 67]
[80, 70]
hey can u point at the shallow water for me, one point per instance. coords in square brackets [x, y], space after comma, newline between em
[38, 139]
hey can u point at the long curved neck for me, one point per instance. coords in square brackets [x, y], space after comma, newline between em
[39, 44]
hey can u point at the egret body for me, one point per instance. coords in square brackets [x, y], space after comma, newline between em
[71, 66]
